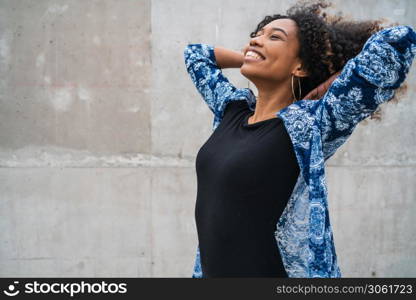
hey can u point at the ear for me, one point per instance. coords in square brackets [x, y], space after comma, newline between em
[300, 72]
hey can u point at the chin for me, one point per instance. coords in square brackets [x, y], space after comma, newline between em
[248, 72]
[245, 71]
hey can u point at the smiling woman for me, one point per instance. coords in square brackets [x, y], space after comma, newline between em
[261, 208]
[325, 44]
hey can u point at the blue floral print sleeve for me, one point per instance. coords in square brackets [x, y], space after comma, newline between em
[365, 82]
[207, 76]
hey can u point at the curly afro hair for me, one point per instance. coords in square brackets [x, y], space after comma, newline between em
[327, 42]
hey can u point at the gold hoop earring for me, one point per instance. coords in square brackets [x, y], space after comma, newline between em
[293, 90]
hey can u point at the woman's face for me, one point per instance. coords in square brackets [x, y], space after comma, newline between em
[278, 44]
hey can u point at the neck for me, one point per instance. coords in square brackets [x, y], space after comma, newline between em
[271, 99]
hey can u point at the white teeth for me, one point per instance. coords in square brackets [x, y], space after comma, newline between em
[253, 54]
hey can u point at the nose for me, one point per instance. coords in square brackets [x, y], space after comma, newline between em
[256, 40]
[252, 42]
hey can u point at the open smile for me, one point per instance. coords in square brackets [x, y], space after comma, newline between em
[253, 56]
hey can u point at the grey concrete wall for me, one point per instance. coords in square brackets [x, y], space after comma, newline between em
[100, 125]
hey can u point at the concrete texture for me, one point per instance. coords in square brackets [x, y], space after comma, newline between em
[100, 126]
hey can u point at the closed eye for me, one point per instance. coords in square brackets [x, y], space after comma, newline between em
[273, 36]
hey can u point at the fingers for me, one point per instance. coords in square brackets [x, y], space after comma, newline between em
[312, 95]
[321, 89]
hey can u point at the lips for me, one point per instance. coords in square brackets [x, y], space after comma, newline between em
[256, 51]
[253, 57]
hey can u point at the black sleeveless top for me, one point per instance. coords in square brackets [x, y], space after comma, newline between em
[245, 175]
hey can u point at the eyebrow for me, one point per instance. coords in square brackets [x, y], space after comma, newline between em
[277, 29]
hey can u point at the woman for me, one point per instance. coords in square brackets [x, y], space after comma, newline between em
[261, 208]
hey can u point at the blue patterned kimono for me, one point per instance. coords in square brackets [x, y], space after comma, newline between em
[317, 128]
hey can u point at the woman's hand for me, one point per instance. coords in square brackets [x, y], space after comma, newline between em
[321, 89]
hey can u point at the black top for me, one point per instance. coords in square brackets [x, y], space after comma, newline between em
[245, 174]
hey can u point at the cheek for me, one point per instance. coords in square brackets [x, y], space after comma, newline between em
[279, 64]
[279, 55]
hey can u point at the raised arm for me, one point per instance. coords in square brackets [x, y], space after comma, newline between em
[227, 58]
[203, 63]
[365, 82]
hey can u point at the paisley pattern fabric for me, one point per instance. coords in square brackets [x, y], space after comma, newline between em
[317, 128]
